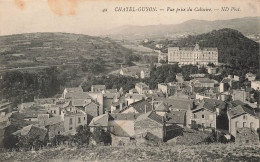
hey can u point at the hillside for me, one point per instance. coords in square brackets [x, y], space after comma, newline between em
[234, 48]
[212, 152]
[39, 49]
[247, 26]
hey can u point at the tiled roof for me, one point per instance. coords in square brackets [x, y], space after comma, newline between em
[141, 84]
[74, 89]
[101, 120]
[53, 120]
[139, 106]
[217, 103]
[236, 103]
[135, 96]
[175, 117]
[43, 116]
[181, 104]
[162, 107]
[33, 113]
[77, 95]
[226, 80]
[33, 132]
[79, 102]
[203, 80]
[210, 104]
[240, 110]
[111, 91]
[205, 105]
[151, 115]
[119, 116]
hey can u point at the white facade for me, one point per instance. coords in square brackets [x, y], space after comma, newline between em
[194, 56]
[241, 121]
[255, 85]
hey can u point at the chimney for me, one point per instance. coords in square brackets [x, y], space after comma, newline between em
[145, 109]
[121, 106]
[152, 104]
[217, 111]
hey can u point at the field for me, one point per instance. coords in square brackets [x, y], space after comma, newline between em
[212, 152]
[24, 51]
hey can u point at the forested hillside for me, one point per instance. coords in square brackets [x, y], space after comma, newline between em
[234, 48]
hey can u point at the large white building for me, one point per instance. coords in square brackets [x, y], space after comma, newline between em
[194, 56]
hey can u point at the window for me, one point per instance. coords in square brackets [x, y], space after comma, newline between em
[70, 120]
[70, 128]
[84, 118]
[54, 111]
[236, 124]
[202, 116]
[58, 132]
[245, 117]
[79, 120]
[244, 124]
[195, 116]
[210, 125]
[252, 125]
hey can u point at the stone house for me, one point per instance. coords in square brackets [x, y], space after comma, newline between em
[54, 110]
[55, 126]
[150, 123]
[145, 73]
[98, 88]
[169, 89]
[203, 82]
[250, 76]
[5, 108]
[202, 116]
[92, 110]
[212, 70]
[73, 117]
[246, 136]
[33, 132]
[179, 78]
[71, 90]
[141, 88]
[241, 116]
[131, 98]
[118, 124]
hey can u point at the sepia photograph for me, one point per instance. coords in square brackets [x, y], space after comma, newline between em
[129, 80]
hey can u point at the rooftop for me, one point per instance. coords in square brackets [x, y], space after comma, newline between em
[240, 110]
[175, 117]
[139, 106]
[162, 107]
[99, 86]
[151, 115]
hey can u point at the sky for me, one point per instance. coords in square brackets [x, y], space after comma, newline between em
[87, 16]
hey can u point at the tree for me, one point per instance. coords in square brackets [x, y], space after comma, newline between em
[82, 136]
[101, 136]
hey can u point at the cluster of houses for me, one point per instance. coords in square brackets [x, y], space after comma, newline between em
[143, 114]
